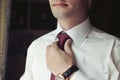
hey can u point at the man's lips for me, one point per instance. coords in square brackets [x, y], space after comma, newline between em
[60, 4]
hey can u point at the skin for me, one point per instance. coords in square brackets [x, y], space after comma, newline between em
[58, 61]
[69, 13]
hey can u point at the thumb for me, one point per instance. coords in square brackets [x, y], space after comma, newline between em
[67, 46]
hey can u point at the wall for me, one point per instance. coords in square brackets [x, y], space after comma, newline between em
[33, 0]
[3, 34]
[1, 31]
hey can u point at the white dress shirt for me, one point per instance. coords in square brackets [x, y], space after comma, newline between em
[97, 54]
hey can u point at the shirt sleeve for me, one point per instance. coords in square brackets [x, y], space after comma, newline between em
[79, 75]
[28, 69]
[113, 66]
[114, 62]
[116, 59]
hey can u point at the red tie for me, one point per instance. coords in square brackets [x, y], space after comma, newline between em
[62, 37]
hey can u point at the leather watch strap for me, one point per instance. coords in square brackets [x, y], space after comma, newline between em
[71, 70]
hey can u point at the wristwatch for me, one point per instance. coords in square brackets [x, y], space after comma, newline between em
[67, 73]
[59, 77]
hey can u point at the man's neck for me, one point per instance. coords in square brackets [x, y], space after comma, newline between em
[67, 24]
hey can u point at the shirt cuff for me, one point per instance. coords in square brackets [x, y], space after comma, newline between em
[79, 75]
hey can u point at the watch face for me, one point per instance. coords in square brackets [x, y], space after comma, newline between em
[59, 77]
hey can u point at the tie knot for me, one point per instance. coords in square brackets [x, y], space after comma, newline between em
[62, 36]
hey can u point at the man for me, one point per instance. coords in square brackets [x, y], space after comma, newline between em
[89, 54]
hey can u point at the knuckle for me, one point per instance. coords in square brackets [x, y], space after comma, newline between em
[48, 46]
[47, 66]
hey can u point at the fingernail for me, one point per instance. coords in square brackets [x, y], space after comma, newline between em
[70, 41]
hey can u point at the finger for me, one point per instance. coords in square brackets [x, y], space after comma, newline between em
[47, 50]
[69, 51]
[67, 46]
[48, 47]
[55, 44]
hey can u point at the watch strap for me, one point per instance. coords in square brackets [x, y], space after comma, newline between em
[71, 70]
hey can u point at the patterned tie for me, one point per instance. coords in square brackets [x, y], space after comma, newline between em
[62, 37]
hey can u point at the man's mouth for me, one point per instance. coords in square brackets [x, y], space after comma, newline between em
[60, 4]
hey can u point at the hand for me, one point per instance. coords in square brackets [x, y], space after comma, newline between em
[58, 61]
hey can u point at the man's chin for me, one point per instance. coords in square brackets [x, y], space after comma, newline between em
[61, 14]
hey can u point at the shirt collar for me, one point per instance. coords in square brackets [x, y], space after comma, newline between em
[77, 33]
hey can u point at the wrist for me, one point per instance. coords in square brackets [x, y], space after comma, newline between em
[68, 73]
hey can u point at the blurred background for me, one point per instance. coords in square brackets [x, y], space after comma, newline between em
[30, 19]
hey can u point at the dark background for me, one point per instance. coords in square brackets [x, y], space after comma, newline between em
[30, 19]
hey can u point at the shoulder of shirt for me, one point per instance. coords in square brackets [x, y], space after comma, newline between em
[44, 38]
[97, 33]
